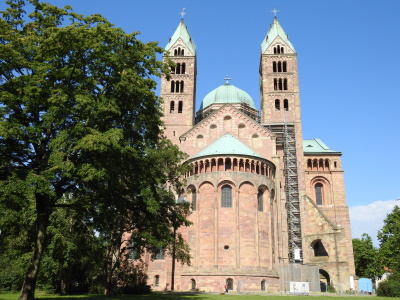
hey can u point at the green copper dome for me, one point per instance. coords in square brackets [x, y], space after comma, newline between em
[227, 93]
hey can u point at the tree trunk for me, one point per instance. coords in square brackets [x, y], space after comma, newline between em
[29, 286]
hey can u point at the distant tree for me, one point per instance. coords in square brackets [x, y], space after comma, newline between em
[79, 123]
[389, 238]
[367, 259]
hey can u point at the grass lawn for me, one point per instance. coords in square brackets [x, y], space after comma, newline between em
[183, 296]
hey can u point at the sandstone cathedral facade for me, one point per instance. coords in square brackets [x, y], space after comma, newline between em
[268, 208]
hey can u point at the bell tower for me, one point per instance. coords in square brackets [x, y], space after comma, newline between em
[179, 92]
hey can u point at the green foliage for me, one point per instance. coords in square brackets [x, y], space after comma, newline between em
[368, 260]
[80, 130]
[390, 287]
[389, 238]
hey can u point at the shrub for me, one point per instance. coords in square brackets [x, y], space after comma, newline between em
[390, 287]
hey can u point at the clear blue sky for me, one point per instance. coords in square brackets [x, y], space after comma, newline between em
[348, 70]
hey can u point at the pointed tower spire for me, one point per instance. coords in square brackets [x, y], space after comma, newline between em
[182, 33]
[275, 32]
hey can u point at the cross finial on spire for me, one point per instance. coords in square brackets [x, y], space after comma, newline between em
[182, 13]
[274, 11]
[227, 79]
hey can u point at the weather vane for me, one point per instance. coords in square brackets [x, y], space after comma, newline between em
[274, 11]
[182, 13]
[227, 79]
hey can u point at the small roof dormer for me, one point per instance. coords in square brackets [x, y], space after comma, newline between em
[275, 36]
[182, 36]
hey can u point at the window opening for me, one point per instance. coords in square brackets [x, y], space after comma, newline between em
[285, 84]
[226, 196]
[158, 254]
[132, 250]
[193, 284]
[263, 285]
[277, 104]
[260, 200]
[279, 66]
[183, 68]
[284, 66]
[275, 84]
[178, 68]
[194, 198]
[286, 104]
[318, 193]
[319, 249]
[172, 107]
[172, 86]
[182, 84]
[229, 282]
[180, 106]
[274, 66]
[157, 280]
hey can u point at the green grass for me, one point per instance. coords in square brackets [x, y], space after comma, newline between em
[185, 296]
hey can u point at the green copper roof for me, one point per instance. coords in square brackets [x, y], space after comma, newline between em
[317, 146]
[274, 31]
[227, 145]
[227, 93]
[182, 33]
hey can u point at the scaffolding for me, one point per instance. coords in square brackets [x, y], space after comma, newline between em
[292, 194]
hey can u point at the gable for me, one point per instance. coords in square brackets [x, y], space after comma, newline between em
[229, 120]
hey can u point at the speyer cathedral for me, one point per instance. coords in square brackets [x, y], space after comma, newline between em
[269, 208]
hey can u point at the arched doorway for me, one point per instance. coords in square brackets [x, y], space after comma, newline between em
[324, 280]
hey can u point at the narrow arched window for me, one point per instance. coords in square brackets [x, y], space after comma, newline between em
[274, 50]
[172, 107]
[282, 50]
[260, 200]
[280, 84]
[194, 199]
[180, 107]
[172, 86]
[193, 284]
[284, 66]
[285, 86]
[263, 285]
[318, 193]
[183, 52]
[279, 66]
[172, 70]
[275, 84]
[176, 52]
[226, 196]
[228, 165]
[286, 104]
[182, 85]
[178, 68]
[183, 68]
[274, 66]
[277, 104]
[179, 51]
[157, 280]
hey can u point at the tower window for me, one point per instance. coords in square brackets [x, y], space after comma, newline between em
[180, 107]
[286, 104]
[284, 66]
[285, 86]
[280, 85]
[318, 193]
[172, 107]
[260, 200]
[179, 52]
[182, 85]
[279, 66]
[172, 86]
[274, 67]
[178, 68]
[275, 84]
[277, 105]
[319, 249]
[226, 196]
[183, 66]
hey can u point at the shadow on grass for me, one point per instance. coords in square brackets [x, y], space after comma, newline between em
[152, 296]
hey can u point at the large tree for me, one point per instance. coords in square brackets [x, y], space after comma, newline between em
[367, 258]
[389, 238]
[80, 126]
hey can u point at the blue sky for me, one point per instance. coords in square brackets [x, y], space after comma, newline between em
[348, 72]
